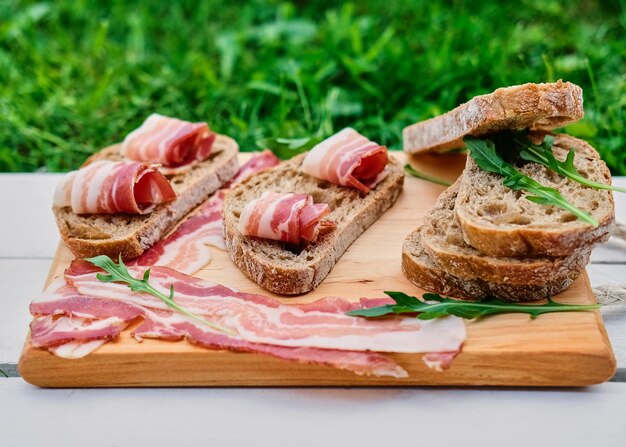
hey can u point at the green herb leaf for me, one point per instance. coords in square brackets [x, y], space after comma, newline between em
[119, 273]
[408, 168]
[285, 148]
[487, 158]
[435, 306]
[543, 155]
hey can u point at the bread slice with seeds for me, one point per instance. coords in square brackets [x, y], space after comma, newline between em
[289, 270]
[498, 221]
[536, 106]
[129, 234]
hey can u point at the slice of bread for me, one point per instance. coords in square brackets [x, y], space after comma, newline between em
[498, 221]
[289, 270]
[422, 271]
[130, 235]
[443, 241]
[535, 106]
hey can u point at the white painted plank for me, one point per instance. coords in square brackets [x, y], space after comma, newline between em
[28, 228]
[614, 315]
[22, 280]
[614, 251]
[312, 417]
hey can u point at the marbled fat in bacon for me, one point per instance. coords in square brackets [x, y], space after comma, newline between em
[287, 217]
[317, 332]
[262, 319]
[61, 308]
[105, 186]
[187, 249]
[172, 142]
[347, 159]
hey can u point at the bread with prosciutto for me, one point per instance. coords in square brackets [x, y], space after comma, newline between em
[93, 221]
[295, 265]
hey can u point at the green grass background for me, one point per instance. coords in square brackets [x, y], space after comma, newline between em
[76, 76]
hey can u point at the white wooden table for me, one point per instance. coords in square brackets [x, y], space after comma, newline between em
[363, 417]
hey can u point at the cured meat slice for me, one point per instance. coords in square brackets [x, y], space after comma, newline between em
[68, 320]
[261, 319]
[257, 163]
[187, 249]
[347, 159]
[169, 141]
[49, 331]
[71, 325]
[114, 187]
[285, 217]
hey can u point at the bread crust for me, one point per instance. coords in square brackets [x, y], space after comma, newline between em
[130, 235]
[558, 239]
[292, 271]
[422, 271]
[442, 239]
[536, 106]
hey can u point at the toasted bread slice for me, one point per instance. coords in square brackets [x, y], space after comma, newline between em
[130, 235]
[289, 270]
[422, 271]
[498, 221]
[443, 241]
[534, 106]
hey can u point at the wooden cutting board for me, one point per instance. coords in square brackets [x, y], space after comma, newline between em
[563, 349]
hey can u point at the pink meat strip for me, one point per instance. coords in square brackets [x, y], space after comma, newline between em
[72, 325]
[169, 141]
[114, 187]
[285, 217]
[257, 163]
[347, 159]
[186, 249]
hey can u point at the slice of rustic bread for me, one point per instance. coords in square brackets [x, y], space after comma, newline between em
[289, 270]
[422, 271]
[130, 235]
[535, 106]
[501, 222]
[443, 241]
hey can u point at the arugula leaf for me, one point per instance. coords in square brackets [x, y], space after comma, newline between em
[543, 155]
[487, 158]
[408, 168]
[119, 273]
[436, 306]
[285, 148]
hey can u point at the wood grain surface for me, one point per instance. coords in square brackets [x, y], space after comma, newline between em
[564, 349]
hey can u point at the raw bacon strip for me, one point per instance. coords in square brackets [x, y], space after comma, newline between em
[114, 187]
[62, 299]
[260, 319]
[169, 141]
[283, 217]
[257, 163]
[347, 159]
[49, 331]
[187, 248]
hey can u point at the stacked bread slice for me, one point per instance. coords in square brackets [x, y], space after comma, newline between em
[484, 239]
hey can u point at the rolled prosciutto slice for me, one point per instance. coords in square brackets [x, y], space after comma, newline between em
[347, 159]
[285, 217]
[169, 141]
[114, 187]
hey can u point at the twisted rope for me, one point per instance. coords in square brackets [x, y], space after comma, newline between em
[614, 294]
[620, 230]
